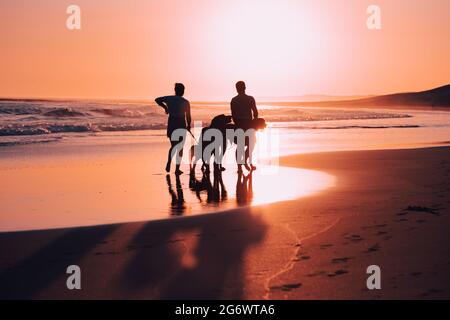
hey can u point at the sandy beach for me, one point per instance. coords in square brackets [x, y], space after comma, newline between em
[258, 152]
[389, 208]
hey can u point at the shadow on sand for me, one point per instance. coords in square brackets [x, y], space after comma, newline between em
[24, 276]
[202, 257]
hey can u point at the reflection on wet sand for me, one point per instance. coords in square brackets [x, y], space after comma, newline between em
[114, 193]
[208, 190]
[177, 205]
[215, 190]
[244, 189]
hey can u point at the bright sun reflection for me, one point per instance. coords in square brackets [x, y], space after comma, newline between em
[271, 184]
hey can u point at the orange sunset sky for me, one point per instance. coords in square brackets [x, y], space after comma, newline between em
[138, 49]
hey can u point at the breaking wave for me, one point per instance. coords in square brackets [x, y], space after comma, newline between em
[43, 117]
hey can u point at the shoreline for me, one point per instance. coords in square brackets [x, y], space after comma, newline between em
[273, 251]
[225, 210]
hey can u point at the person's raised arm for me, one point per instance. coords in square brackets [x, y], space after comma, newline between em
[188, 116]
[161, 101]
[254, 109]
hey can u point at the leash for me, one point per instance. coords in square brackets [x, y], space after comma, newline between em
[193, 136]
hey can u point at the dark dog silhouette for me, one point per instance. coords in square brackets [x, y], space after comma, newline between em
[221, 123]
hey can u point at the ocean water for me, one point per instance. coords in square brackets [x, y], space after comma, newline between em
[44, 121]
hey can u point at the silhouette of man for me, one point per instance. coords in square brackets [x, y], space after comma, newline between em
[179, 111]
[244, 111]
[244, 189]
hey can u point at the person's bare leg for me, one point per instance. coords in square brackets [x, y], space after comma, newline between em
[177, 167]
[169, 158]
[247, 155]
[238, 162]
[250, 148]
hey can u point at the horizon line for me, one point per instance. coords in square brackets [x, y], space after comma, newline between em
[270, 99]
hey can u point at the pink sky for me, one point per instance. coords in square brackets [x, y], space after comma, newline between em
[138, 49]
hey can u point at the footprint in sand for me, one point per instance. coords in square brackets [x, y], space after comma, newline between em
[377, 226]
[354, 238]
[340, 260]
[287, 287]
[325, 246]
[301, 258]
[316, 273]
[374, 248]
[337, 273]
[420, 209]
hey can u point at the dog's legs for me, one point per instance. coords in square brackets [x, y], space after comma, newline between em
[205, 167]
[193, 158]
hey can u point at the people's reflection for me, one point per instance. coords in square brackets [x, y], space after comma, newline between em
[219, 187]
[177, 205]
[244, 189]
[215, 190]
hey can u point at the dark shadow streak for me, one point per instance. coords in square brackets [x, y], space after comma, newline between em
[156, 267]
[24, 279]
[219, 253]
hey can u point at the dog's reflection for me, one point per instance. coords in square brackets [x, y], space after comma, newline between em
[244, 189]
[177, 204]
[210, 190]
[215, 189]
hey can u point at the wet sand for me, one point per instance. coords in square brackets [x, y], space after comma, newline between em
[66, 185]
[389, 208]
